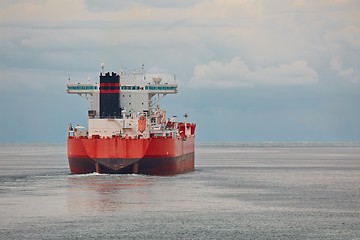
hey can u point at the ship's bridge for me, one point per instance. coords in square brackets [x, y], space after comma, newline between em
[82, 88]
[130, 93]
[162, 88]
[152, 88]
[89, 88]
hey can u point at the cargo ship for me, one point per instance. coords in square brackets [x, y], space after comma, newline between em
[127, 130]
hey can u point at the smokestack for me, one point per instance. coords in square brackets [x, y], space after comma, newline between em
[109, 95]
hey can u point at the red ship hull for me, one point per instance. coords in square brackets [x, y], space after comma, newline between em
[154, 156]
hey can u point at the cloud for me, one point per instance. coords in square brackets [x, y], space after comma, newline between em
[31, 82]
[114, 5]
[236, 73]
[261, 46]
[349, 35]
[181, 35]
[348, 74]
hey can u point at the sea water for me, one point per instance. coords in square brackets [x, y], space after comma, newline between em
[238, 191]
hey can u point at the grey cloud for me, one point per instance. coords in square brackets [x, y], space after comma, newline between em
[349, 74]
[114, 5]
[236, 73]
[299, 61]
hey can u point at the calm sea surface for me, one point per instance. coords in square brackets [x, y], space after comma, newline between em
[238, 191]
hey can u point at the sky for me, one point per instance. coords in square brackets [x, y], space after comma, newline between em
[248, 71]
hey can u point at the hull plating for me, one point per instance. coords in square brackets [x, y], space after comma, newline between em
[155, 156]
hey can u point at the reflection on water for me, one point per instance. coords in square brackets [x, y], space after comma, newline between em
[105, 192]
[95, 193]
[238, 191]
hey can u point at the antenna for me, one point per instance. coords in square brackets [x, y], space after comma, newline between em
[102, 65]
[143, 71]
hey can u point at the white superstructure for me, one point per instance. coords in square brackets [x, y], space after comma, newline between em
[139, 96]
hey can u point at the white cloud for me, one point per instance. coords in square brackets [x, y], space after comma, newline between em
[236, 73]
[281, 43]
[268, 36]
[347, 74]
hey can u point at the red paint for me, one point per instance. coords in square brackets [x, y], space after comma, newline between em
[106, 87]
[159, 156]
